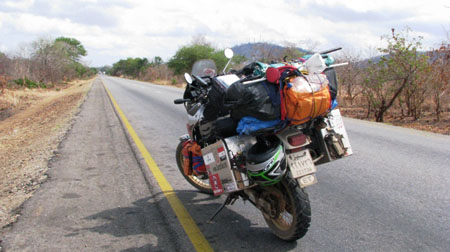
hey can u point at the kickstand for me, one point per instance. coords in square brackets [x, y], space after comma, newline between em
[231, 198]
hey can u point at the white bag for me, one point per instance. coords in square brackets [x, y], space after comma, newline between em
[315, 64]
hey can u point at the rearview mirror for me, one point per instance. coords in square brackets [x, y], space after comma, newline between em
[229, 53]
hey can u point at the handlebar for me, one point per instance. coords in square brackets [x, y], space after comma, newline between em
[331, 50]
[200, 80]
[181, 101]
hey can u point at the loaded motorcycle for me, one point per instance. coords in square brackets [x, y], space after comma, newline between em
[268, 163]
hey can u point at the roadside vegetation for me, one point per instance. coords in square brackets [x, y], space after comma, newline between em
[406, 85]
[170, 72]
[44, 64]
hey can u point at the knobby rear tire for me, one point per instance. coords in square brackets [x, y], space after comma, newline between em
[192, 179]
[298, 206]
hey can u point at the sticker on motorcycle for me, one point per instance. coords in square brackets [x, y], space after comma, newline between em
[216, 185]
[307, 180]
[209, 158]
[222, 153]
[338, 125]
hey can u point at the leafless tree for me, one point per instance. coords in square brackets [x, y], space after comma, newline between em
[291, 51]
[4, 63]
[152, 73]
[350, 76]
[440, 81]
[309, 45]
[200, 39]
[265, 52]
[50, 61]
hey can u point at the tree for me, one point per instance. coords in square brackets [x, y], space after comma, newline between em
[156, 61]
[186, 56]
[156, 72]
[49, 61]
[398, 69]
[200, 39]
[132, 67]
[440, 80]
[4, 63]
[74, 49]
[291, 51]
[350, 76]
[266, 52]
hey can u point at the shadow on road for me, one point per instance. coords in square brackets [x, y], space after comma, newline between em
[230, 230]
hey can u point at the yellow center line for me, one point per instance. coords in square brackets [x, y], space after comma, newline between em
[190, 227]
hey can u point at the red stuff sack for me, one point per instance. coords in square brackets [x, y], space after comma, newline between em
[193, 159]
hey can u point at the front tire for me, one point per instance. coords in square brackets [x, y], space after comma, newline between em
[292, 223]
[198, 182]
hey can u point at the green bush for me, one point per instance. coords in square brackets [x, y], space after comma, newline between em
[25, 82]
[185, 57]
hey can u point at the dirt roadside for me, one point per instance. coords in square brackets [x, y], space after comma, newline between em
[29, 136]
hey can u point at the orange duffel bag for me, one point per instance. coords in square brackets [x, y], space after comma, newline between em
[306, 97]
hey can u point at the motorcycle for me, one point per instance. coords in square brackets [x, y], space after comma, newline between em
[270, 167]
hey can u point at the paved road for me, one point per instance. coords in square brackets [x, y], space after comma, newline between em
[393, 194]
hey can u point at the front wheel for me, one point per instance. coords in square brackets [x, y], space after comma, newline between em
[200, 182]
[294, 211]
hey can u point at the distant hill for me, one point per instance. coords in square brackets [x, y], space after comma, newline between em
[364, 63]
[254, 51]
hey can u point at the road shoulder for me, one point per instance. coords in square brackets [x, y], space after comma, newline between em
[96, 197]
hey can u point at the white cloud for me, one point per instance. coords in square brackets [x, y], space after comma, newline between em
[3, 48]
[18, 4]
[111, 30]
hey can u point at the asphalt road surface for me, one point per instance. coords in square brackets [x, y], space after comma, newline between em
[393, 194]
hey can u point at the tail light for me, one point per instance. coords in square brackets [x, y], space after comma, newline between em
[297, 140]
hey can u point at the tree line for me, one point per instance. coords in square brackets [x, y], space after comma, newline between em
[45, 62]
[181, 62]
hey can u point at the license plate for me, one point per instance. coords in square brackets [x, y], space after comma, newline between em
[301, 163]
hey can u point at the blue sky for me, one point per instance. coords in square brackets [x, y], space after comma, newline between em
[111, 29]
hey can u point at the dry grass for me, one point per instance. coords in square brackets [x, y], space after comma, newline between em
[31, 129]
[427, 122]
[169, 83]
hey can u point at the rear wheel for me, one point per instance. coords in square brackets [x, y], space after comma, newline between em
[292, 217]
[200, 182]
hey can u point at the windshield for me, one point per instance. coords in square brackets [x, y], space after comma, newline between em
[205, 67]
